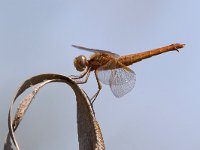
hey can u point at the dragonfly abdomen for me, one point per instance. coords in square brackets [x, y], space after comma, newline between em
[133, 58]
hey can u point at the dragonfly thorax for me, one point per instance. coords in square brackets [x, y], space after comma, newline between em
[80, 63]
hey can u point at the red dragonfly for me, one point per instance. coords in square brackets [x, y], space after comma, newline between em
[112, 69]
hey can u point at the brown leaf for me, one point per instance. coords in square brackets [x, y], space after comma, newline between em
[89, 133]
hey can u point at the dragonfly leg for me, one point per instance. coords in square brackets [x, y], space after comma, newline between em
[99, 88]
[85, 80]
[80, 76]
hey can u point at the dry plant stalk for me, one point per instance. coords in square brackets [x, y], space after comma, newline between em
[89, 132]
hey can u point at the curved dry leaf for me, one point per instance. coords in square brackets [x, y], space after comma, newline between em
[25, 103]
[8, 143]
[89, 133]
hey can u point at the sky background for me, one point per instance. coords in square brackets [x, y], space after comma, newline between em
[160, 113]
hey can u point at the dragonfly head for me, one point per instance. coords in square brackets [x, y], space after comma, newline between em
[80, 63]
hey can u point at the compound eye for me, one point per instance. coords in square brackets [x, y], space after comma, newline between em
[80, 63]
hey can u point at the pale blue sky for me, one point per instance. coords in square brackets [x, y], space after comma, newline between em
[161, 112]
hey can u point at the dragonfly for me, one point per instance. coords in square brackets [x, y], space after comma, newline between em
[112, 69]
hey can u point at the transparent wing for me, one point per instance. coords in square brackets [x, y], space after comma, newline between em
[120, 78]
[95, 50]
[122, 81]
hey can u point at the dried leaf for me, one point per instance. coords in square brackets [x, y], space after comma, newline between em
[8, 144]
[89, 133]
[25, 103]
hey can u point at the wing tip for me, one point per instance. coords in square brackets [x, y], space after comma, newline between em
[74, 45]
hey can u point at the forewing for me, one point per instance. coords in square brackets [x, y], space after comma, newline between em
[95, 50]
[121, 80]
